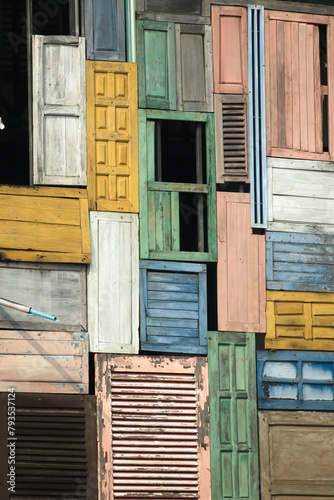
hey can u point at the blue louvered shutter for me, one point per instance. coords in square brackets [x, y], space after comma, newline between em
[173, 307]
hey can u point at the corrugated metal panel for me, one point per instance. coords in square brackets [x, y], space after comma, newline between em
[297, 455]
[112, 132]
[241, 267]
[300, 320]
[300, 261]
[173, 307]
[257, 117]
[157, 407]
[290, 380]
[55, 447]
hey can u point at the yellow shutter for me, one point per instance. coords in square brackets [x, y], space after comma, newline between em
[112, 136]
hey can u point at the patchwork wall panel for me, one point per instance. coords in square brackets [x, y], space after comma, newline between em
[230, 58]
[153, 427]
[297, 455]
[299, 72]
[187, 11]
[241, 267]
[300, 261]
[300, 320]
[44, 224]
[173, 307]
[112, 130]
[300, 196]
[44, 362]
[56, 289]
[105, 29]
[156, 64]
[113, 283]
[59, 111]
[233, 416]
[301, 380]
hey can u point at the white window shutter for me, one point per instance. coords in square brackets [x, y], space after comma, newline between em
[59, 111]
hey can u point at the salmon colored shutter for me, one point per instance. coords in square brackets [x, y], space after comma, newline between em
[155, 444]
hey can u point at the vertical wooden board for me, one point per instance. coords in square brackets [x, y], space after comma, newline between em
[168, 415]
[241, 267]
[230, 60]
[296, 455]
[112, 132]
[173, 307]
[56, 289]
[105, 30]
[300, 320]
[59, 111]
[299, 261]
[301, 196]
[194, 67]
[156, 65]
[233, 417]
[113, 283]
[48, 362]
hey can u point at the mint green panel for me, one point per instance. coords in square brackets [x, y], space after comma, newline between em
[233, 416]
[156, 65]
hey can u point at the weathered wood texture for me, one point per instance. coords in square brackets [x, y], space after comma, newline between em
[300, 320]
[156, 64]
[112, 133]
[59, 111]
[55, 446]
[173, 307]
[105, 29]
[56, 289]
[296, 455]
[230, 58]
[187, 11]
[113, 283]
[289, 380]
[160, 206]
[44, 362]
[233, 416]
[194, 67]
[294, 90]
[44, 224]
[241, 280]
[257, 127]
[300, 196]
[231, 125]
[323, 7]
[300, 261]
[153, 427]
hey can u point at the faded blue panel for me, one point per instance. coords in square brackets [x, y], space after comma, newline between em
[105, 30]
[173, 307]
[300, 262]
[293, 380]
[257, 118]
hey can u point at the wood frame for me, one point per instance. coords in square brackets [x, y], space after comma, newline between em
[201, 18]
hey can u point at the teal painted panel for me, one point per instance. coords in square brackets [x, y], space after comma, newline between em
[156, 64]
[233, 416]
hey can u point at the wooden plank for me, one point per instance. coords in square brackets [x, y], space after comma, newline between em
[112, 133]
[114, 311]
[241, 267]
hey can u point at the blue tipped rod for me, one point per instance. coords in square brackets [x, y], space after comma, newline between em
[44, 315]
[26, 309]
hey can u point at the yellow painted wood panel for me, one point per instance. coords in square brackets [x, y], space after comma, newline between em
[112, 136]
[300, 320]
[44, 225]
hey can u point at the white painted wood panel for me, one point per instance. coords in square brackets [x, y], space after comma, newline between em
[113, 283]
[59, 111]
[300, 195]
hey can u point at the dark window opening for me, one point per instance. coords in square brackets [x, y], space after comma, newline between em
[180, 153]
[324, 83]
[193, 222]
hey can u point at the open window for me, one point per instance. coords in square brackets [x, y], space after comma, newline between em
[41, 142]
[177, 188]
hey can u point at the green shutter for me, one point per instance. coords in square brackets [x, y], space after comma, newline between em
[233, 416]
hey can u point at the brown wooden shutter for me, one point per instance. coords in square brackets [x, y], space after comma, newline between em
[231, 138]
[157, 450]
[55, 447]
